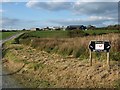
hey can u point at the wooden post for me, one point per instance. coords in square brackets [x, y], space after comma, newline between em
[90, 57]
[108, 58]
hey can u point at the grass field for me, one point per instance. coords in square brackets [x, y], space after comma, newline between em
[47, 34]
[64, 34]
[4, 35]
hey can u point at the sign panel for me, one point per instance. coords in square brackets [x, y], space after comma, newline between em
[99, 46]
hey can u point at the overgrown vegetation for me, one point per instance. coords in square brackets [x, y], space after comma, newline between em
[76, 47]
[47, 70]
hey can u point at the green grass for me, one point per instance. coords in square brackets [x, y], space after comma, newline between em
[63, 34]
[56, 34]
[100, 32]
[4, 35]
[48, 34]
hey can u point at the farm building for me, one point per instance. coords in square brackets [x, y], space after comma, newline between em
[76, 27]
[35, 29]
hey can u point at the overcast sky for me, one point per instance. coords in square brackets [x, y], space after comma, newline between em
[34, 13]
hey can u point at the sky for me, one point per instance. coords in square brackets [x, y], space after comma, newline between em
[38, 13]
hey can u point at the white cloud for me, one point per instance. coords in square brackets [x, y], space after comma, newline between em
[80, 8]
[1, 11]
[13, 1]
[99, 12]
[5, 0]
[97, 1]
[59, 1]
[53, 5]
[92, 20]
[77, 7]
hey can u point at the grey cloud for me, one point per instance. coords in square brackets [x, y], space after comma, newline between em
[52, 6]
[109, 9]
[9, 22]
[97, 8]
[17, 23]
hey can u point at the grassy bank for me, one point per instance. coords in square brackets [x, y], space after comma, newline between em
[51, 62]
[38, 69]
[76, 47]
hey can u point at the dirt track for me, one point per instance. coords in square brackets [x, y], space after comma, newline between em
[7, 81]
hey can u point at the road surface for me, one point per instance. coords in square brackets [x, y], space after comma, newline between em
[7, 81]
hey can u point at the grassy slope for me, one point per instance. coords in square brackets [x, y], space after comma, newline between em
[4, 35]
[78, 46]
[51, 70]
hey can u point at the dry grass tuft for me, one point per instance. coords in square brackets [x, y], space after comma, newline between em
[77, 47]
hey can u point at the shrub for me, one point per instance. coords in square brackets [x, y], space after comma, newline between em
[115, 56]
[77, 33]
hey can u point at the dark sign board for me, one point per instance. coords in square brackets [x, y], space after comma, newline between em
[99, 46]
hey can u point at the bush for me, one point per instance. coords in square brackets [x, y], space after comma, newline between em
[77, 33]
[115, 56]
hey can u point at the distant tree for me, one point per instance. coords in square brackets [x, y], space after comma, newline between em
[37, 29]
[24, 29]
[113, 27]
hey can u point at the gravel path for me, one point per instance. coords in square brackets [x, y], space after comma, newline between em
[7, 81]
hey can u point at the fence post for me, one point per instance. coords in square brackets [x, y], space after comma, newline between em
[90, 57]
[108, 58]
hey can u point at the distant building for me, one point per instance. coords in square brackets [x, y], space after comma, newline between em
[56, 28]
[34, 29]
[90, 27]
[76, 27]
[46, 28]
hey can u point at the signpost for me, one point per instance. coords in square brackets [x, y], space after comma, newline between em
[99, 46]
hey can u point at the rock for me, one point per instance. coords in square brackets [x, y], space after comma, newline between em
[24, 56]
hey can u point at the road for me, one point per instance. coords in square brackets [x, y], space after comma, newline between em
[7, 81]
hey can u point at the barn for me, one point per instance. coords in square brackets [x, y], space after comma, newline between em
[76, 27]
